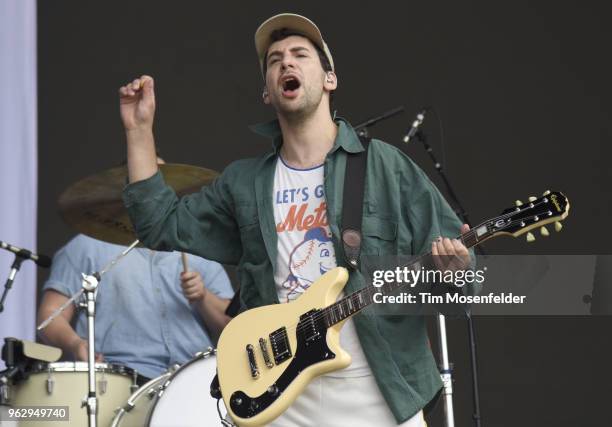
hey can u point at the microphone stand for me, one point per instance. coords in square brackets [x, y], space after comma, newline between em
[362, 128]
[446, 373]
[446, 369]
[9, 282]
[89, 285]
[460, 210]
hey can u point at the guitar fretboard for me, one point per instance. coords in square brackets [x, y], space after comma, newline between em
[358, 300]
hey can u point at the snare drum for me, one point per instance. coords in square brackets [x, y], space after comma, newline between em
[178, 399]
[65, 384]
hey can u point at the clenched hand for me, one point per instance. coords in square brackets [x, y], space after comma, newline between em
[193, 286]
[137, 104]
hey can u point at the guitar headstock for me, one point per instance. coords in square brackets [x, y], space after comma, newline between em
[552, 207]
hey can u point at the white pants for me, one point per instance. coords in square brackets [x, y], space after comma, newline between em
[342, 402]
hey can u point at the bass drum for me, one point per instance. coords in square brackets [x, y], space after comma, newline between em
[136, 410]
[65, 384]
[179, 398]
[184, 400]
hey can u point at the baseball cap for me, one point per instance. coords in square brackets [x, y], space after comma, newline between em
[297, 23]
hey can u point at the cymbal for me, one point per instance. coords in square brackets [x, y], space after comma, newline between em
[94, 205]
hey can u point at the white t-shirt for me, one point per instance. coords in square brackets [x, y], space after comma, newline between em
[305, 248]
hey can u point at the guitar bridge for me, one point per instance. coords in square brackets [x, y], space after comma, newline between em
[263, 344]
[252, 362]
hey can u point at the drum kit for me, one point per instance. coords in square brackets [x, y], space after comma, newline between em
[102, 394]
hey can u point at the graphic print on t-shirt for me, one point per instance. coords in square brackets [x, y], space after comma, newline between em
[305, 249]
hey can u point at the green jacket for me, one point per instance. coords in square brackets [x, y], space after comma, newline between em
[231, 221]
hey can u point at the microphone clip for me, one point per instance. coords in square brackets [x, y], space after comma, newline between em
[418, 121]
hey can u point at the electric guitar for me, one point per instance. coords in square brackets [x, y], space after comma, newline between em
[267, 355]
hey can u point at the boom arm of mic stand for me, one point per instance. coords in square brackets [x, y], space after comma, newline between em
[362, 128]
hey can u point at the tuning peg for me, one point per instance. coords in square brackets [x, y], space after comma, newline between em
[518, 203]
[558, 226]
[532, 199]
[546, 193]
[530, 237]
[544, 232]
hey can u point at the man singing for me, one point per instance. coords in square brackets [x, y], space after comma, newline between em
[277, 217]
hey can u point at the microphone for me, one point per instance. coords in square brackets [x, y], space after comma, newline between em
[40, 259]
[415, 125]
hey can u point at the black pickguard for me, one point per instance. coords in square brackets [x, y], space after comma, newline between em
[311, 349]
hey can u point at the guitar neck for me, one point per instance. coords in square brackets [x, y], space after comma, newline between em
[552, 207]
[358, 300]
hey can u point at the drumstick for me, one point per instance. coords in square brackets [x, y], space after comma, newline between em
[184, 258]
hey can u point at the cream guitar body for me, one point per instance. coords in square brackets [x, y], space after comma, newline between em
[258, 385]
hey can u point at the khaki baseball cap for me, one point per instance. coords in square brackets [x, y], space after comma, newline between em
[291, 21]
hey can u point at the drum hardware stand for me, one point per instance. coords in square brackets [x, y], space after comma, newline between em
[134, 385]
[11, 370]
[4, 389]
[90, 285]
[446, 370]
[14, 368]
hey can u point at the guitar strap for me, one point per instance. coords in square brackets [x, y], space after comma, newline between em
[352, 203]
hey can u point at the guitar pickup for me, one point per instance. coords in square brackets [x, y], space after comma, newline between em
[252, 362]
[308, 327]
[263, 344]
[280, 345]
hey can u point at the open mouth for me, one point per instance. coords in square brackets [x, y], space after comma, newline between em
[290, 86]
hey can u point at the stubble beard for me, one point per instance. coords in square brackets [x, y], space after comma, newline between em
[298, 112]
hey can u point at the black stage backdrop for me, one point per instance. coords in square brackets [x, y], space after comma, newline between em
[523, 89]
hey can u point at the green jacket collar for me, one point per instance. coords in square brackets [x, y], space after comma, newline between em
[346, 139]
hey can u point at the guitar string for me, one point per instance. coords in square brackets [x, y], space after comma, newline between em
[324, 312]
[330, 310]
[471, 233]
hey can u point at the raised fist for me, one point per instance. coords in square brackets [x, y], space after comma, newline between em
[137, 104]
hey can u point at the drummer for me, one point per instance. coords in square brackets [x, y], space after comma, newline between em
[150, 314]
